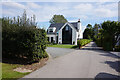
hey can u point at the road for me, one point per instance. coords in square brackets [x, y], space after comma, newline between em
[89, 62]
[57, 52]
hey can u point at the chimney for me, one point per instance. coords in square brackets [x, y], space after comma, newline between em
[79, 29]
[78, 20]
[79, 24]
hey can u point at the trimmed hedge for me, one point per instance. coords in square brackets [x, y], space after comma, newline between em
[25, 42]
[83, 42]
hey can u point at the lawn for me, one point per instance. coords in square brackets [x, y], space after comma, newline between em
[63, 46]
[9, 74]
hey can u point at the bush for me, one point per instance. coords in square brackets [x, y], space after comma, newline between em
[25, 42]
[83, 42]
[99, 42]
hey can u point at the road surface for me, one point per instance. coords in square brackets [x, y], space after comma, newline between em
[57, 52]
[89, 62]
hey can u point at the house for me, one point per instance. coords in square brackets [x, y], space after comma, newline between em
[64, 33]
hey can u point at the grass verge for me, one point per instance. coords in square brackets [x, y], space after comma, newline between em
[9, 74]
[82, 42]
[63, 46]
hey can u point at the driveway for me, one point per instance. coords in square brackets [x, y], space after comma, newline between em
[57, 52]
[84, 63]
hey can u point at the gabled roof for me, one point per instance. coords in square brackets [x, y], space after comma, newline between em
[59, 25]
[74, 25]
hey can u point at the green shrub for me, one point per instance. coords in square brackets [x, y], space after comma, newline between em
[25, 42]
[83, 42]
[99, 42]
[107, 46]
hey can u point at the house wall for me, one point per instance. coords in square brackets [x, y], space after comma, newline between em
[80, 31]
[60, 36]
[74, 34]
[52, 35]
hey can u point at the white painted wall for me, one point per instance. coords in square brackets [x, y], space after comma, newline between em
[52, 35]
[60, 36]
[74, 36]
[80, 30]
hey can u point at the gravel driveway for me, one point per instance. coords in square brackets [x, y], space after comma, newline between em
[57, 52]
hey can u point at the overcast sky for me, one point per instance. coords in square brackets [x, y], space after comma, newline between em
[87, 12]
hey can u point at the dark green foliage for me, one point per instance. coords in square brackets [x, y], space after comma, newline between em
[89, 26]
[88, 32]
[58, 19]
[23, 41]
[107, 34]
[83, 42]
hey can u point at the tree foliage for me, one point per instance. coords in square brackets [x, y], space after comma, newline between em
[89, 26]
[58, 19]
[21, 39]
[88, 32]
[108, 34]
[105, 34]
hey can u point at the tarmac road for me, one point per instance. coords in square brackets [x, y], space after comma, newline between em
[84, 63]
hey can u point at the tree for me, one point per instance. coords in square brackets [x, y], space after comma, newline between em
[88, 32]
[58, 19]
[24, 18]
[96, 29]
[109, 32]
[89, 26]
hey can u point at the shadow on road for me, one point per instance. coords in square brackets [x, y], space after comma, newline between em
[110, 55]
[106, 76]
[115, 65]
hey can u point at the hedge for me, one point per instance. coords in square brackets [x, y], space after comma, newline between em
[25, 42]
[83, 42]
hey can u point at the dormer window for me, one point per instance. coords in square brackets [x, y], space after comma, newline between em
[50, 30]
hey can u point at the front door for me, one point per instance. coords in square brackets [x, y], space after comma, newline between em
[51, 39]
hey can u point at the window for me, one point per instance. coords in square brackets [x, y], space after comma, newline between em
[50, 30]
[67, 27]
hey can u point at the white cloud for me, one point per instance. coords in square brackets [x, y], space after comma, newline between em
[33, 5]
[102, 12]
[111, 5]
[13, 5]
[61, 0]
[84, 7]
[84, 11]
[8, 13]
[95, 10]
